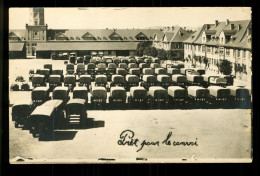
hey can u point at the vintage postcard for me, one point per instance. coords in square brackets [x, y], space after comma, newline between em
[130, 85]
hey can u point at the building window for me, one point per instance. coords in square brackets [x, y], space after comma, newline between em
[203, 48]
[216, 50]
[243, 54]
[222, 39]
[228, 52]
[209, 49]
[221, 51]
[238, 53]
[35, 22]
[234, 53]
[204, 39]
[199, 48]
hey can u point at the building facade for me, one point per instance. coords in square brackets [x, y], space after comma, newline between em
[43, 42]
[212, 43]
[171, 39]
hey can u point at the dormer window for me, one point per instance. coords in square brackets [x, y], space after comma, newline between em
[77, 38]
[88, 36]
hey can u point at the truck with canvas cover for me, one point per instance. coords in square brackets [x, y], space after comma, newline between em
[179, 80]
[46, 118]
[21, 110]
[40, 95]
[61, 93]
[137, 95]
[164, 80]
[131, 80]
[148, 81]
[76, 112]
[80, 69]
[117, 94]
[186, 71]
[38, 80]
[70, 69]
[213, 80]
[80, 93]
[117, 80]
[54, 81]
[173, 71]
[101, 80]
[194, 80]
[85, 80]
[121, 71]
[160, 71]
[70, 81]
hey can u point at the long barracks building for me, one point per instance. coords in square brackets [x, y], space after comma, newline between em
[43, 42]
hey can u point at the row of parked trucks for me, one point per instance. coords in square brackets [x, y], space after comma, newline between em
[150, 87]
[44, 113]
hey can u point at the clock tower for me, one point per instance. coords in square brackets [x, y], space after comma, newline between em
[36, 31]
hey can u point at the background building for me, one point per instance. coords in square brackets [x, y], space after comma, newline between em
[44, 42]
[171, 39]
[212, 43]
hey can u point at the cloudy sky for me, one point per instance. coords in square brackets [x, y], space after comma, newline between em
[98, 18]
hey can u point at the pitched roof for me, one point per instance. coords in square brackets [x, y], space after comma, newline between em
[129, 34]
[176, 35]
[159, 35]
[95, 45]
[16, 46]
[238, 33]
[180, 36]
[19, 32]
[195, 35]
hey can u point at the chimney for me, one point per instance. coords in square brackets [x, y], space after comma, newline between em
[232, 26]
[239, 27]
[216, 22]
[227, 21]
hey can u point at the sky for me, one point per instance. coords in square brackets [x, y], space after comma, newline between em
[100, 18]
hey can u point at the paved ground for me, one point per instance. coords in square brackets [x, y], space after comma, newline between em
[220, 135]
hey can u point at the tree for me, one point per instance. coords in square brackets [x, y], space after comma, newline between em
[142, 46]
[225, 67]
[162, 54]
[205, 61]
[150, 51]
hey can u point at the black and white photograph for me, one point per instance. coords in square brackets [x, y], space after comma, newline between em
[130, 85]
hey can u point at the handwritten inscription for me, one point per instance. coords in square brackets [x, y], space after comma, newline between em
[127, 137]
